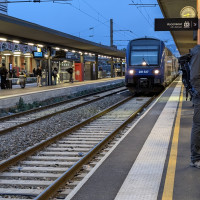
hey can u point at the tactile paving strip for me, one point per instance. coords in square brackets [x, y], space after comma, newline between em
[143, 180]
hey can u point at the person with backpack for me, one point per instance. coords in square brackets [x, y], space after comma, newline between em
[54, 74]
[39, 76]
[3, 73]
[70, 71]
[195, 83]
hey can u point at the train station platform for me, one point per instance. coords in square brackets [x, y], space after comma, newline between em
[31, 93]
[152, 160]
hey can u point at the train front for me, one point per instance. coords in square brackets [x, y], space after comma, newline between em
[144, 71]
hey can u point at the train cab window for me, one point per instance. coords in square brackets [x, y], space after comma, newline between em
[148, 53]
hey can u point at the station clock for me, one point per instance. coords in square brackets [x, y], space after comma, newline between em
[188, 12]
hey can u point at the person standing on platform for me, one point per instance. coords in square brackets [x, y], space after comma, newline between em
[39, 76]
[34, 72]
[70, 71]
[195, 82]
[3, 73]
[54, 73]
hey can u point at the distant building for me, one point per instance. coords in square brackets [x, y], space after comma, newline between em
[4, 7]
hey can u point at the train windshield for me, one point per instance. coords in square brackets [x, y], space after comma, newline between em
[144, 54]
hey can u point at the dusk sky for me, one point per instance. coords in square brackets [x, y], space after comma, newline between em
[90, 19]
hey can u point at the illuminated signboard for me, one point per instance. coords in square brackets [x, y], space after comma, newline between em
[38, 54]
[176, 24]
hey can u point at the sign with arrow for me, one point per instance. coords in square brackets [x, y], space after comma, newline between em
[176, 24]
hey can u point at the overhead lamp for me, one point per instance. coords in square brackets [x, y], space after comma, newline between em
[86, 53]
[57, 48]
[16, 41]
[31, 44]
[66, 50]
[40, 45]
[3, 39]
[73, 51]
[7, 53]
[27, 54]
[17, 53]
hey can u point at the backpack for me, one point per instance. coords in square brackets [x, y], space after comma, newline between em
[195, 70]
[184, 67]
[70, 70]
[55, 73]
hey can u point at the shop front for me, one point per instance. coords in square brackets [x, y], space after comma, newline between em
[61, 66]
[17, 58]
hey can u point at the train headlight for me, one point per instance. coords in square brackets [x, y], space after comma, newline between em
[144, 63]
[131, 72]
[156, 71]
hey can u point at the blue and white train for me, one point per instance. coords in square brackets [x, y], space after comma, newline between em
[150, 66]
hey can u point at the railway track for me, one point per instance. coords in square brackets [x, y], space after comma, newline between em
[12, 122]
[41, 170]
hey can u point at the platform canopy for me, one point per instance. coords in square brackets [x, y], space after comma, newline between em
[17, 29]
[171, 9]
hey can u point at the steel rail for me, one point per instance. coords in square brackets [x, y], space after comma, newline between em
[66, 176]
[13, 160]
[55, 113]
[53, 104]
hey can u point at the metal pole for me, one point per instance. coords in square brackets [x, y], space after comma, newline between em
[49, 66]
[111, 32]
[111, 67]
[121, 67]
[96, 66]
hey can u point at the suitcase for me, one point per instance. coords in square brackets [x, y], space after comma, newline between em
[8, 84]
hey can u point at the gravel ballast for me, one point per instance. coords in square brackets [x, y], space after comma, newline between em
[24, 137]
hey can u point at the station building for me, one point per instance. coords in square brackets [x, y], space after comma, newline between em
[24, 46]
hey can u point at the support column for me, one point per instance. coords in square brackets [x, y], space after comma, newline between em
[121, 67]
[96, 66]
[49, 66]
[111, 67]
[111, 32]
[81, 58]
[198, 15]
[82, 66]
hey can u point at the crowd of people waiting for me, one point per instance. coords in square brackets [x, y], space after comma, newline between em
[4, 74]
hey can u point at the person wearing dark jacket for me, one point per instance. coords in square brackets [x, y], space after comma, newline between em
[3, 73]
[54, 74]
[39, 76]
[70, 71]
[195, 82]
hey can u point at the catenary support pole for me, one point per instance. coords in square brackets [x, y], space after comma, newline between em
[96, 66]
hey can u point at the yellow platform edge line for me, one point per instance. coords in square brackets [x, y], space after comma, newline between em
[169, 180]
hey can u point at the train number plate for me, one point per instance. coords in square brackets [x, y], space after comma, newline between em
[143, 71]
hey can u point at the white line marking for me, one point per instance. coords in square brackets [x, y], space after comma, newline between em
[84, 180]
[144, 178]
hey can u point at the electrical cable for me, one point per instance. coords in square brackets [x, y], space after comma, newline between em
[99, 14]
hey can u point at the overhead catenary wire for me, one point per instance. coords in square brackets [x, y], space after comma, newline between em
[36, 1]
[97, 19]
[143, 14]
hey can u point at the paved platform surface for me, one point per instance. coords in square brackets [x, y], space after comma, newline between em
[152, 161]
[31, 93]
